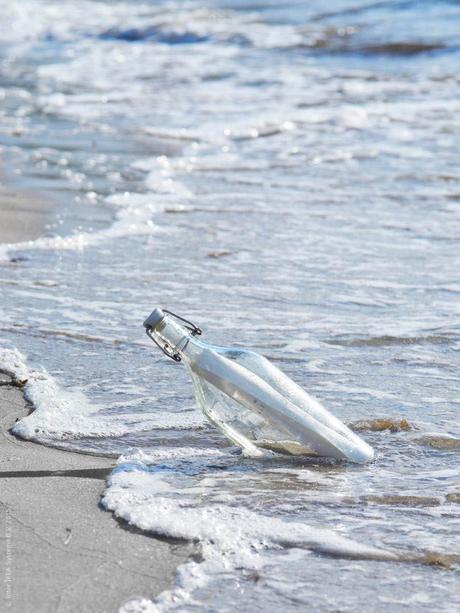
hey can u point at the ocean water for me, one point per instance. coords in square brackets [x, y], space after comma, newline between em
[284, 174]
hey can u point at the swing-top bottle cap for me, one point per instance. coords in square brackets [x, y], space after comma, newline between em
[154, 319]
[176, 334]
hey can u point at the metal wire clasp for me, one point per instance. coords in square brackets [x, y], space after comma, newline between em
[166, 348]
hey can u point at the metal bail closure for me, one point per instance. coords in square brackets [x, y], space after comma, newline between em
[167, 349]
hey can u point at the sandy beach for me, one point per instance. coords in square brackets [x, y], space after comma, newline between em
[283, 176]
[60, 551]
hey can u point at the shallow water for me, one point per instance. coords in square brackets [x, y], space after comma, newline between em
[286, 175]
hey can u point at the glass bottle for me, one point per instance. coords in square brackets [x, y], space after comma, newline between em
[250, 400]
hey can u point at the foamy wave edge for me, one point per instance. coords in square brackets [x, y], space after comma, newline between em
[57, 413]
[229, 537]
[61, 414]
[133, 218]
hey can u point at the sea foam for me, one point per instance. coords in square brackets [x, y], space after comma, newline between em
[60, 414]
[133, 217]
[171, 493]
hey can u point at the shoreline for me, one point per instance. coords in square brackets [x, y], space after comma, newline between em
[63, 551]
[59, 550]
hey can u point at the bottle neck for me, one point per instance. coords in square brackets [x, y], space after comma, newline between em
[177, 339]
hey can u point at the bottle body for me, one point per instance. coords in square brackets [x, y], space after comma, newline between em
[244, 426]
[255, 404]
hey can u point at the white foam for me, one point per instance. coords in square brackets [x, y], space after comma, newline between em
[133, 218]
[60, 413]
[57, 412]
[178, 501]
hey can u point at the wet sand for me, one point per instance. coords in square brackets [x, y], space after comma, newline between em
[59, 550]
[22, 215]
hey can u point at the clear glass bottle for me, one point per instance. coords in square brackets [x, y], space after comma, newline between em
[250, 400]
